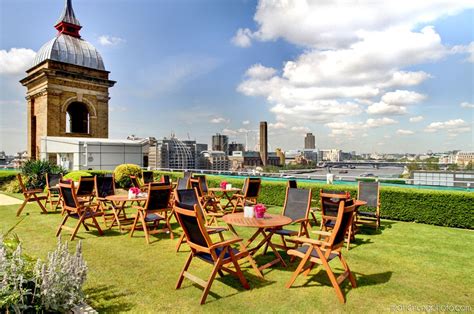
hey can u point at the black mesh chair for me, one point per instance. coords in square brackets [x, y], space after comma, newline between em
[370, 193]
[322, 252]
[166, 179]
[297, 207]
[73, 208]
[210, 206]
[219, 254]
[156, 209]
[85, 189]
[292, 184]
[136, 183]
[183, 183]
[52, 187]
[189, 197]
[147, 177]
[249, 195]
[104, 186]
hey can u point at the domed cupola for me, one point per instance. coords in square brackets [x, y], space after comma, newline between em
[68, 46]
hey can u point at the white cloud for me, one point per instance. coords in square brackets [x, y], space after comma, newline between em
[243, 38]
[217, 120]
[467, 105]
[374, 123]
[349, 129]
[405, 132]
[318, 23]
[277, 125]
[300, 129]
[16, 60]
[403, 97]
[258, 71]
[417, 119]
[452, 127]
[468, 49]
[246, 122]
[107, 40]
[229, 132]
[382, 108]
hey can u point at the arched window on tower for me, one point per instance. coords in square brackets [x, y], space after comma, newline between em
[77, 118]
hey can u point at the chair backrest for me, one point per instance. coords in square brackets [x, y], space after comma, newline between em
[191, 220]
[186, 176]
[52, 179]
[297, 203]
[292, 184]
[22, 185]
[135, 182]
[147, 176]
[345, 215]
[196, 185]
[369, 192]
[165, 179]
[186, 196]
[104, 186]
[330, 202]
[86, 186]
[203, 183]
[158, 197]
[68, 194]
[253, 187]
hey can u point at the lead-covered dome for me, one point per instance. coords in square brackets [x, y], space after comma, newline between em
[68, 46]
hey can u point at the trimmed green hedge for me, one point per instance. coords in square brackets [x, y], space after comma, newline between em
[7, 175]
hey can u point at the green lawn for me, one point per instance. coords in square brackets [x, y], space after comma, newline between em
[403, 263]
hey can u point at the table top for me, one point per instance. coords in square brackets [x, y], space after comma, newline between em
[224, 190]
[358, 203]
[123, 198]
[268, 221]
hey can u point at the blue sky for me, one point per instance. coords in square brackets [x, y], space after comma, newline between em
[371, 78]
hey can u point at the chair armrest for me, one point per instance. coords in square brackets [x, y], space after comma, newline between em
[314, 209]
[321, 232]
[138, 207]
[34, 191]
[225, 243]
[297, 221]
[308, 240]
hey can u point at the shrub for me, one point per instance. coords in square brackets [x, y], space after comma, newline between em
[28, 286]
[35, 172]
[7, 176]
[123, 172]
[436, 207]
[76, 175]
[12, 187]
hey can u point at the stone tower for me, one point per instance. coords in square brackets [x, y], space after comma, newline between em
[67, 87]
[264, 142]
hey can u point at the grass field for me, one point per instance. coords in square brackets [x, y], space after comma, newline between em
[401, 264]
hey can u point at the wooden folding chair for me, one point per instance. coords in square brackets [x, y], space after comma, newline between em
[155, 210]
[188, 197]
[219, 254]
[370, 193]
[209, 204]
[73, 208]
[137, 183]
[30, 196]
[329, 207]
[249, 195]
[52, 187]
[297, 206]
[104, 186]
[85, 189]
[322, 252]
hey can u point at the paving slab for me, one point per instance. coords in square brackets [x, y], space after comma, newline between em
[8, 200]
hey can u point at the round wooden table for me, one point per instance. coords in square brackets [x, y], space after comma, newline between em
[265, 227]
[117, 205]
[225, 194]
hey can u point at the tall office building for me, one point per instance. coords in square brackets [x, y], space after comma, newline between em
[239, 147]
[309, 141]
[264, 142]
[220, 142]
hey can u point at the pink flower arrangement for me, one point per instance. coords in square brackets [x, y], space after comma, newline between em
[135, 190]
[223, 184]
[260, 210]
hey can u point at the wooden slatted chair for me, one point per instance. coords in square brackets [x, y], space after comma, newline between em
[329, 206]
[322, 252]
[210, 206]
[104, 186]
[31, 195]
[189, 198]
[73, 208]
[156, 209]
[52, 187]
[219, 254]
[297, 206]
[249, 195]
[369, 192]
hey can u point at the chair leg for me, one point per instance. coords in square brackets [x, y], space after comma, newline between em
[350, 275]
[43, 209]
[168, 225]
[180, 241]
[299, 268]
[73, 235]
[332, 278]
[135, 221]
[61, 225]
[18, 212]
[238, 271]
[207, 288]
[145, 228]
[185, 268]
[96, 224]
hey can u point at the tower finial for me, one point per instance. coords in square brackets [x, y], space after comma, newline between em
[68, 23]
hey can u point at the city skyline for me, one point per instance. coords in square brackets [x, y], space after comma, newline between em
[401, 83]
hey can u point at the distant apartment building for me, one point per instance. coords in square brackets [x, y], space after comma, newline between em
[310, 155]
[329, 155]
[309, 141]
[464, 158]
[251, 159]
[235, 147]
[220, 142]
[280, 155]
[214, 160]
[175, 154]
